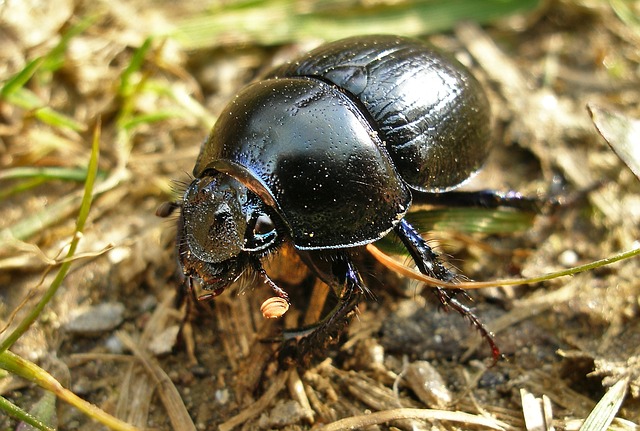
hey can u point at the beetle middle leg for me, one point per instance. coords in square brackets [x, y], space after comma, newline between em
[344, 279]
[430, 264]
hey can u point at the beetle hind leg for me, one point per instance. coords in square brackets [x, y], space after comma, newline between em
[430, 264]
[485, 199]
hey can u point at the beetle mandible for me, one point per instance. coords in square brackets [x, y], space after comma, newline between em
[328, 152]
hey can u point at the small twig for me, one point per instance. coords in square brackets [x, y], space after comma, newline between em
[359, 422]
[170, 396]
[259, 406]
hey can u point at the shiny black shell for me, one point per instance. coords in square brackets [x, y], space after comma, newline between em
[334, 141]
[318, 158]
[431, 113]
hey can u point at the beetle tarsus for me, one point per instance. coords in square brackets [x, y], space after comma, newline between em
[429, 264]
[448, 299]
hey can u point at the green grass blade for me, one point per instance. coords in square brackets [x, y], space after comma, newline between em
[34, 176]
[5, 192]
[92, 172]
[17, 413]
[20, 78]
[134, 66]
[487, 221]
[284, 21]
[28, 370]
[471, 220]
[25, 99]
[56, 119]
[47, 173]
[27, 227]
[152, 117]
[54, 60]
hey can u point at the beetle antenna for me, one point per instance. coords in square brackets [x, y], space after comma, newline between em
[167, 208]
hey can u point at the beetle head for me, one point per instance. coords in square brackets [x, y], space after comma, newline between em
[222, 226]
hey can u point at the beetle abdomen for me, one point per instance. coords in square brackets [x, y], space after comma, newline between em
[429, 110]
[310, 147]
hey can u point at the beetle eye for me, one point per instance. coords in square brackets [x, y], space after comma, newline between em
[263, 225]
[261, 235]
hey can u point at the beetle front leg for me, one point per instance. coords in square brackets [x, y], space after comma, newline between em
[346, 282]
[430, 264]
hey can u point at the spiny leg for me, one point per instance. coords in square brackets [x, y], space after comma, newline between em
[344, 279]
[484, 199]
[429, 264]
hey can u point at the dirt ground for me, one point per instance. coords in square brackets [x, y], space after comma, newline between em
[114, 336]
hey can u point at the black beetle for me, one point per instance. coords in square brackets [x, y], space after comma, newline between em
[329, 152]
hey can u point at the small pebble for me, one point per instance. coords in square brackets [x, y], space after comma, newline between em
[222, 396]
[148, 303]
[114, 345]
[97, 319]
[163, 342]
[568, 258]
[428, 385]
[283, 413]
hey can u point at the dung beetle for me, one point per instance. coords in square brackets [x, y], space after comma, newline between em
[328, 152]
